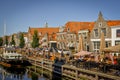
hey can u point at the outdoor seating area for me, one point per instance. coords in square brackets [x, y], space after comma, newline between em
[104, 62]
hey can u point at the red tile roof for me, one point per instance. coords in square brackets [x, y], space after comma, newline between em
[76, 26]
[44, 30]
[112, 23]
[50, 31]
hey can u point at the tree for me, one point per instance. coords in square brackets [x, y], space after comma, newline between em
[6, 40]
[35, 42]
[1, 41]
[12, 41]
[22, 41]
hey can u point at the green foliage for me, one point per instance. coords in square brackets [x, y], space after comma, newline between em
[12, 41]
[6, 40]
[1, 41]
[22, 41]
[35, 42]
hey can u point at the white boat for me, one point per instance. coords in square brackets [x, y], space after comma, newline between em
[10, 54]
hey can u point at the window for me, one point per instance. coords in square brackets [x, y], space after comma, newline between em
[87, 47]
[96, 46]
[71, 36]
[46, 40]
[68, 29]
[118, 33]
[84, 34]
[96, 32]
[100, 24]
[64, 36]
[104, 31]
[108, 43]
[117, 42]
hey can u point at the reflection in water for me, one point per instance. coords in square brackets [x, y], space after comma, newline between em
[15, 73]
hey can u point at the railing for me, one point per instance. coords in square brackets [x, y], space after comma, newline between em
[70, 71]
[44, 63]
[77, 73]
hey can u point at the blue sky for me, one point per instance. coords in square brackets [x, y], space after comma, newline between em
[20, 14]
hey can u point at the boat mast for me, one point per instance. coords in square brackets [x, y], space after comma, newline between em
[4, 28]
[4, 33]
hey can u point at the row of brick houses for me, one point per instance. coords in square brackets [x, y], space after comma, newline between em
[67, 36]
[91, 32]
[46, 34]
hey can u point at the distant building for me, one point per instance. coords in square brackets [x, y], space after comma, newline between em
[115, 38]
[67, 36]
[66, 39]
[86, 39]
[80, 28]
[91, 32]
[17, 38]
[45, 34]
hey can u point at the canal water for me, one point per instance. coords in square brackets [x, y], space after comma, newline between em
[18, 73]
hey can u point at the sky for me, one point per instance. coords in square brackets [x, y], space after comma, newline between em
[19, 15]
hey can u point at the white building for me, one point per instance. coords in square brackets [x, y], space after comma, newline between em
[115, 38]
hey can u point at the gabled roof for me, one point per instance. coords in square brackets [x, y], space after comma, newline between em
[112, 23]
[76, 26]
[42, 31]
[49, 30]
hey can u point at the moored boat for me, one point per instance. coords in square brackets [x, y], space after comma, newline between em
[9, 54]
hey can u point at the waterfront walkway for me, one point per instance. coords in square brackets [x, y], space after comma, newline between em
[72, 71]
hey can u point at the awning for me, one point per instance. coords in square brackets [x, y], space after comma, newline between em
[82, 53]
[112, 49]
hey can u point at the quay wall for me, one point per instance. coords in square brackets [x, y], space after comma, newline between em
[70, 71]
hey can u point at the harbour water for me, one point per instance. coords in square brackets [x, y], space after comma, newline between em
[20, 73]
